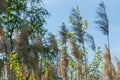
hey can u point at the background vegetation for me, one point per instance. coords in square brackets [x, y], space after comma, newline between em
[30, 52]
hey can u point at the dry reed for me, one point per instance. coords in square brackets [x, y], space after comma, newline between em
[107, 65]
[62, 67]
[74, 49]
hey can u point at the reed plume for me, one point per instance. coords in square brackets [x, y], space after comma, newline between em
[77, 23]
[17, 43]
[102, 21]
[24, 44]
[63, 59]
[106, 54]
[39, 42]
[118, 68]
[63, 64]
[2, 39]
[6, 48]
[59, 68]
[79, 72]
[74, 49]
[35, 58]
[118, 63]
[24, 35]
[3, 5]
[107, 64]
[52, 42]
[17, 36]
[107, 71]
[114, 74]
[24, 70]
[63, 33]
[49, 75]
[2, 36]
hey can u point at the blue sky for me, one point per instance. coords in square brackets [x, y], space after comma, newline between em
[60, 11]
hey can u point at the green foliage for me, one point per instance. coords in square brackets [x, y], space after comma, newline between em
[21, 13]
[15, 66]
[85, 25]
[95, 64]
[71, 68]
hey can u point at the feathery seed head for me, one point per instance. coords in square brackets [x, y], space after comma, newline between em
[74, 49]
[39, 42]
[2, 35]
[16, 35]
[118, 63]
[106, 54]
[53, 44]
[63, 59]
[63, 33]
